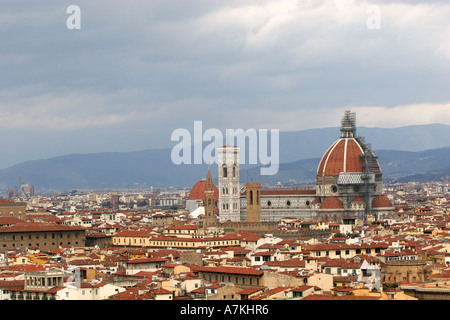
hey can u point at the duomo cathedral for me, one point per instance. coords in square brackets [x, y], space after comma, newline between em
[348, 185]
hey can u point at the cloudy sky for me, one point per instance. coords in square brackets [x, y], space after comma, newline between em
[137, 70]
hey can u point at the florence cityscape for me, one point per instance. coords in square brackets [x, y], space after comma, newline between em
[246, 152]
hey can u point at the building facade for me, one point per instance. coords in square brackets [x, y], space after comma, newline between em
[348, 185]
[40, 235]
[13, 209]
[229, 186]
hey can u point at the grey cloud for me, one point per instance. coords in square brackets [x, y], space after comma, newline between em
[143, 68]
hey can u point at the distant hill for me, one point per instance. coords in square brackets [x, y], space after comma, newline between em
[306, 144]
[300, 154]
[397, 166]
[104, 171]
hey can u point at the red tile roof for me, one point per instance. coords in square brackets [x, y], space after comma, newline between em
[146, 260]
[332, 203]
[9, 220]
[35, 226]
[232, 270]
[381, 202]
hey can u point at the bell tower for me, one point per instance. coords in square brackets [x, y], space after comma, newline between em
[229, 189]
[210, 204]
[253, 191]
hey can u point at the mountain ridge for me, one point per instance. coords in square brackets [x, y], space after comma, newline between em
[300, 153]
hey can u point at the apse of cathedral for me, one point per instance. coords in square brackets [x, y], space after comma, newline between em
[348, 187]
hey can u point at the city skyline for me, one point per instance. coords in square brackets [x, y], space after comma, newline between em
[235, 152]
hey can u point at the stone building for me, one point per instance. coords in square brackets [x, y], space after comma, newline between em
[253, 191]
[13, 209]
[40, 235]
[348, 184]
[405, 271]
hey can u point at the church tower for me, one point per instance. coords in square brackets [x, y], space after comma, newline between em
[253, 191]
[210, 217]
[229, 190]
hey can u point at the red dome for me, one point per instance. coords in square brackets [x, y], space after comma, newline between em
[381, 202]
[332, 203]
[316, 200]
[198, 191]
[342, 156]
[358, 199]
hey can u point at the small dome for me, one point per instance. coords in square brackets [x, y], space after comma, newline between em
[358, 199]
[316, 200]
[332, 203]
[381, 202]
[198, 191]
